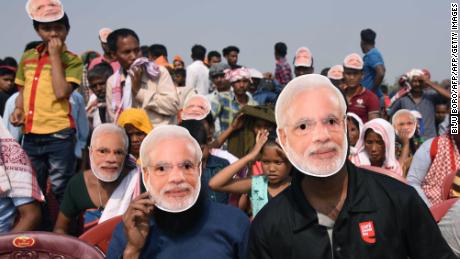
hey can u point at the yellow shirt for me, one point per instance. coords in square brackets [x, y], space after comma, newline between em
[44, 114]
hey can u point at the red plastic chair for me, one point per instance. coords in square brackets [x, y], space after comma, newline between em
[385, 172]
[37, 244]
[100, 235]
[439, 210]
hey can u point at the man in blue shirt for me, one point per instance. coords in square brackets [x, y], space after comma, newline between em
[174, 218]
[374, 67]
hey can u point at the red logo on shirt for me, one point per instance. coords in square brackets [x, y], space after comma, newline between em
[367, 232]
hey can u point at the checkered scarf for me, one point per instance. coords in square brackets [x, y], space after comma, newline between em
[445, 162]
[17, 178]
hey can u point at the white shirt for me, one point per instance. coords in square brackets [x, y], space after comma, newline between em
[198, 77]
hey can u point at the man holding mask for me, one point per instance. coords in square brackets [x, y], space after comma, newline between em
[174, 219]
[332, 208]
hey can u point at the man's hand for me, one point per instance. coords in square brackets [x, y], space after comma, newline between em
[136, 76]
[17, 118]
[136, 222]
[55, 47]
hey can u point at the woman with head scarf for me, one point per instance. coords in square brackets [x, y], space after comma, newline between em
[354, 128]
[376, 146]
[137, 125]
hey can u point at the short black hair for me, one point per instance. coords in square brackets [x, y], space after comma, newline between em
[102, 70]
[32, 45]
[229, 49]
[145, 51]
[6, 68]
[64, 20]
[113, 37]
[10, 61]
[157, 50]
[213, 53]
[368, 36]
[384, 89]
[198, 52]
[179, 71]
[324, 71]
[280, 49]
[197, 130]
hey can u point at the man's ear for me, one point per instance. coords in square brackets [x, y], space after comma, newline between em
[281, 136]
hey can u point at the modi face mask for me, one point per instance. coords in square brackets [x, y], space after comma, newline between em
[171, 168]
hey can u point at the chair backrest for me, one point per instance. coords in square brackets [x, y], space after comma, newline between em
[101, 234]
[385, 172]
[37, 244]
[439, 210]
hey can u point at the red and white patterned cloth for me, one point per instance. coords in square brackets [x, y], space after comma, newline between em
[17, 178]
[446, 161]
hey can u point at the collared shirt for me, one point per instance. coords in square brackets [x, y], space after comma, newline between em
[426, 107]
[198, 77]
[363, 103]
[283, 72]
[225, 106]
[221, 233]
[372, 59]
[381, 218]
[44, 114]
[213, 166]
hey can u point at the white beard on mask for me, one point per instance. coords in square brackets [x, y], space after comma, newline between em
[176, 206]
[327, 168]
[105, 177]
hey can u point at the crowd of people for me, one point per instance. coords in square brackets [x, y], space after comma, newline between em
[220, 160]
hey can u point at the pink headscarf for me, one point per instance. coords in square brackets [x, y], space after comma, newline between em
[233, 75]
[354, 149]
[384, 129]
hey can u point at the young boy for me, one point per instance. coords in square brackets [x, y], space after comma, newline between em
[97, 79]
[46, 77]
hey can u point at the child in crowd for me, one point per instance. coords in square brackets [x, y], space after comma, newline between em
[261, 188]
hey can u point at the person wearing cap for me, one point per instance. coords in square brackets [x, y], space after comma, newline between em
[174, 218]
[231, 55]
[44, 10]
[335, 74]
[374, 67]
[258, 90]
[361, 101]
[303, 62]
[46, 77]
[422, 100]
[198, 72]
[107, 56]
[105, 190]
[225, 107]
[139, 83]
[283, 72]
[7, 87]
[333, 209]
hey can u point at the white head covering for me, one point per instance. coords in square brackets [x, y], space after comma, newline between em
[384, 129]
[353, 149]
[158, 134]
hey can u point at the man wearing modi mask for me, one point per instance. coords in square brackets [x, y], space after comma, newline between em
[174, 218]
[332, 208]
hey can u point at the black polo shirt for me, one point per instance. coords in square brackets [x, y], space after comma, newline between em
[380, 218]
